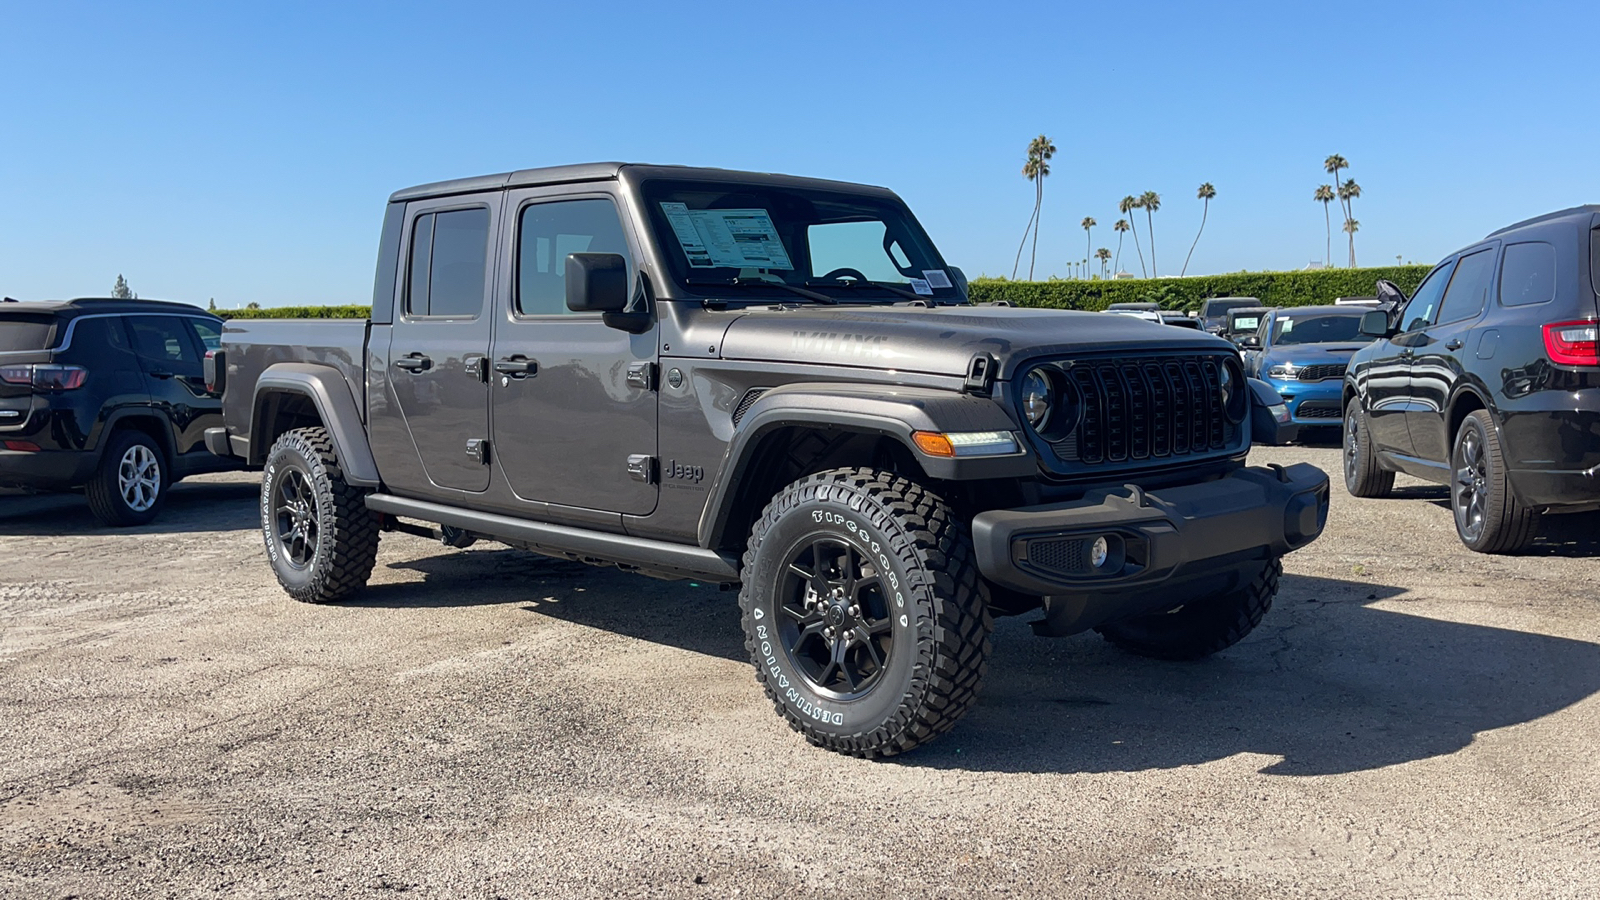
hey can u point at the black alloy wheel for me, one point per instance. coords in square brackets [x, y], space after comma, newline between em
[294, 514]
[1488, 516]
[836, 625]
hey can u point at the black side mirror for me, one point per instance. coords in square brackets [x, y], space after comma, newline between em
[1269, 417]
[1375, 323]
[597, 282]
[1250, 342]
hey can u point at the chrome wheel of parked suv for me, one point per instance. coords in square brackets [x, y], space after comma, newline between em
[1489, 519]
[131, 485]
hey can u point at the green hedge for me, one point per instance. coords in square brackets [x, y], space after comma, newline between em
[297, 312]
[1301, 288]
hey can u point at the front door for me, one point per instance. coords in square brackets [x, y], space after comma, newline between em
[440, 339]
[1388, 378]
[1436, 363]
[574, 402]
[171, 358]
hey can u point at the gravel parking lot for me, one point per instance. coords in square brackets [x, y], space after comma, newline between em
[1412, 720]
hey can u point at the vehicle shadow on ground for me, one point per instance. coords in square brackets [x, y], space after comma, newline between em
[694, 616]
[190, 507]
[1575, 535]
[1328, 683]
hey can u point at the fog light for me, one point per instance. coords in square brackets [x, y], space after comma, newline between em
[1099, 553]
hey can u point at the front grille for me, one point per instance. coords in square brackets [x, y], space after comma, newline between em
[1320, 372]
[1318, 409]
[1063, 555]
[748, 400]
[1146, 408]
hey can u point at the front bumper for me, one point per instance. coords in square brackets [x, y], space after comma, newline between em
[1152, 538]
[1312, 402]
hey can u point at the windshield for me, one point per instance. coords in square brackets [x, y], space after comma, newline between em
[1318, 330]
[25, 332]
[1221, 307]
[760, 237]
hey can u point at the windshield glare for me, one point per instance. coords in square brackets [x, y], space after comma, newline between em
[722, 234]
[1318, 330]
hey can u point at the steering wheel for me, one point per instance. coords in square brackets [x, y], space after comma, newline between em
[846, 270]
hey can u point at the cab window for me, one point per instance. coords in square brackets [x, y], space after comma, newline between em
[1419, 311]
[1469, 288]
[546, 234]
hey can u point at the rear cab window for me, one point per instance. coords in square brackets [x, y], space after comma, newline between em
[27, 332]
[449, 260]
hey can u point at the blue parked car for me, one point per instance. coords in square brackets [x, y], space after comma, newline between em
[1302, 352]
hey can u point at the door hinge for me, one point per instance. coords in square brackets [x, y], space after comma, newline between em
[642, 468]
[478, 449]
[980, 374]
[642, 375]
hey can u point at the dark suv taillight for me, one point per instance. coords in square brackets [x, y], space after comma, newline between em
[1573, 343]
[44, 377]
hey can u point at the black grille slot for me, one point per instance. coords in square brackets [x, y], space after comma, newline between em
[748, 400]
[1321, 372]
[1064, 555]
[1137, 409]
[1318, 409]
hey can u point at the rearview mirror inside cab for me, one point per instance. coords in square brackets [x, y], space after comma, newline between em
[1375, 323]
[596, 282]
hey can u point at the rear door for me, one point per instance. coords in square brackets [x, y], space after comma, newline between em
[1438, 349]
[574, 404]
[1386, 382]
[170, 356]
[440, 338]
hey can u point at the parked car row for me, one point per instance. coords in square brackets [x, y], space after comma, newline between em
[778, 384]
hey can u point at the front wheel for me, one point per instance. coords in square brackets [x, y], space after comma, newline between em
[863, 611]
[321, 539]
[1203, 625]
[1489, 518]
[1362, 476]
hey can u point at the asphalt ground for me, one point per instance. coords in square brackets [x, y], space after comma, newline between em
[1411, 720]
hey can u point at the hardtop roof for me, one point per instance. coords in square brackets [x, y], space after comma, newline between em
[1582, 216]
[612, 171]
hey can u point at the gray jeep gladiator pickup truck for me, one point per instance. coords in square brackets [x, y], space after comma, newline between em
[774, 383]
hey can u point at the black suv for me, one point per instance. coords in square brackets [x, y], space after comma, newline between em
[1488, 379]
[108, 396]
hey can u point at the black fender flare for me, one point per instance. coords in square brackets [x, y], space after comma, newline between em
[892, 411]
[340, 414]
[163, 436]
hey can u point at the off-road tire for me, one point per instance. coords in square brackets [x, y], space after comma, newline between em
[1202, 626]
[1362, 476]
[346, 532]
[1506, 525]
[105, 492]
[935, 604]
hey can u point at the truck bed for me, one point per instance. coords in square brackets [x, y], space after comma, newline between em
[252, 345]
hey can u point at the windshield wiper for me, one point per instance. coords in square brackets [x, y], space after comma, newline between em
[893, 289]
[757, 282]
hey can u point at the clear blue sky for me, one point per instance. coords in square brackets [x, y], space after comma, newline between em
[243, 151]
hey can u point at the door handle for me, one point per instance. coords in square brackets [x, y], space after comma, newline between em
[516, 366]
[416, 362]
[162, 374]
[1454, 344]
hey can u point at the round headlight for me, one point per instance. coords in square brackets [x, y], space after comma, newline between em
[1235, 392]
[1038, 396]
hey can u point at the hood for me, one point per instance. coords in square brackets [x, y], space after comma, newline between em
[942, 340]
[1310, 354]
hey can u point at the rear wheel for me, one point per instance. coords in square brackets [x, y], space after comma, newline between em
[1489, 519]
[130, 486]
[863, 611]
[1362, 476]
[1202, 626]
[321, 539]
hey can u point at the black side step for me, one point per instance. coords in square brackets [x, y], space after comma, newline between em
[649, 556]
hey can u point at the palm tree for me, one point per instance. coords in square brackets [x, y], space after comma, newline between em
[1206, 192]
[1031, 170]
[1324, 195]
[1128, 205]
[1104, 255]
[1332, 165]
[1120, 228]
[1351, 226]
[1150, 201]
[1040, 150]
[1348, 192]
[1088, 223]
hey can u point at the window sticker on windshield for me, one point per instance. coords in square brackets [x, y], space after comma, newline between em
[921, 287]
[730, 238]
[937, 278]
